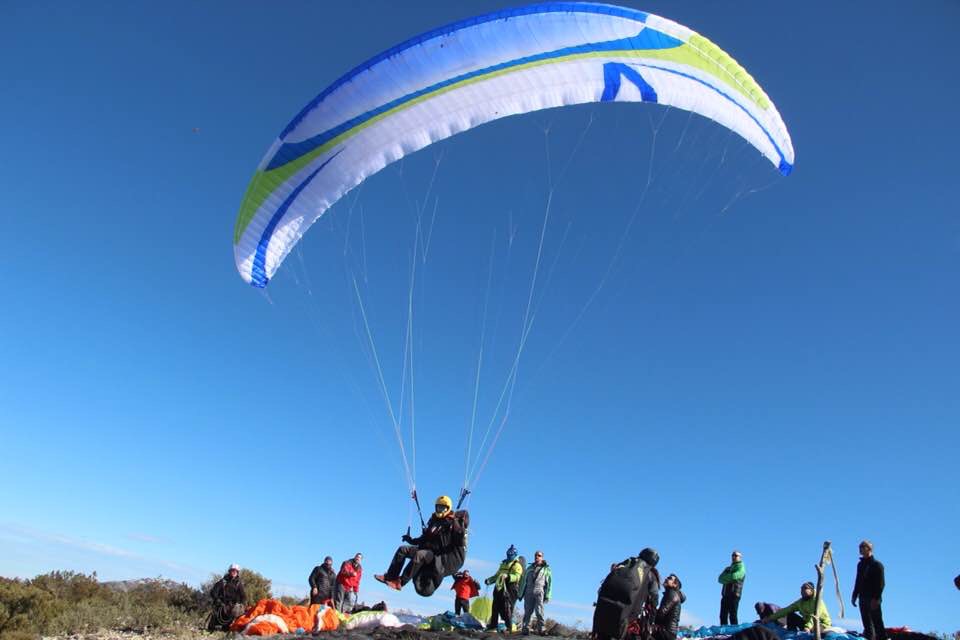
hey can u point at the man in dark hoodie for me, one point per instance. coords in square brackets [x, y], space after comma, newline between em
[668, 614]
[869, 589]
[228, 598]
[323, 581]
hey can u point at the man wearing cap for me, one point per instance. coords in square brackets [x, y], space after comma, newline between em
[869, 589]
[732, 580]
[323, 580]
[228, 599]
[506, 582]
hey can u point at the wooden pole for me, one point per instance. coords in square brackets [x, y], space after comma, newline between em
[818, 593]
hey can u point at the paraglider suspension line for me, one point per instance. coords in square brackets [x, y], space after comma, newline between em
[413, 494]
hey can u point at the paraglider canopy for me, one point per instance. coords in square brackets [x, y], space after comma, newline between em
[464, 74]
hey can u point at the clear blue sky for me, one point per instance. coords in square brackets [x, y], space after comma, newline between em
[771, 362]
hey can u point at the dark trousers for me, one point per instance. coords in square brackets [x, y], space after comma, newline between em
[872, 619]
[418, 558]
[728, 609]
[794, 621]
[502, 607]
[461, 605]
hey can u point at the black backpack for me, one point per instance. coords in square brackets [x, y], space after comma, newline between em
[621, 599]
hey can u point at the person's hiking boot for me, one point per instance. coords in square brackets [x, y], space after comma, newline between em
[396, 585]
[379, 577]
[526, 632]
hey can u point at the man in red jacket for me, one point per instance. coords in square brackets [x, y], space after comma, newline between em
[348, 584]
[464, 587]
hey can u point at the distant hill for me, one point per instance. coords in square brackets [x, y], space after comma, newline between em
[124, 586]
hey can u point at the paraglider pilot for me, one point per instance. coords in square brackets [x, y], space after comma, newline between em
[438, 552]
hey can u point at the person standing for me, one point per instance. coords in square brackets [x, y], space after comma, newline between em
[464, 587]
[323, 581]
[732, 580]
[506, 581]
[869, 589]
[348, 584]
[536, 585]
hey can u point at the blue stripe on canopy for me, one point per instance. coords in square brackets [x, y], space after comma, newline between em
[258, 272]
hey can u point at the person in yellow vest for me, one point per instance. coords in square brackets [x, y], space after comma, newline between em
[802, 614]
[506, 583]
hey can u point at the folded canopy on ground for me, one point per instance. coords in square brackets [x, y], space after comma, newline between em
[474, 71]
[268, 617]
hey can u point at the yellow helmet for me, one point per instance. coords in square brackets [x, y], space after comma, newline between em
[444, 501]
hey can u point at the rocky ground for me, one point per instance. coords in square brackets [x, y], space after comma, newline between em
[403, 633]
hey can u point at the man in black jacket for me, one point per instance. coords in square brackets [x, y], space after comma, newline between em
[668, 614]
[869, 589]
[627, 599]
[438, 552]
[323, 580]
[228, 598]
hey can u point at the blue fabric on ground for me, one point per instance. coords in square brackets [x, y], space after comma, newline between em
[715, 630]
[730, 629]
[447, 621]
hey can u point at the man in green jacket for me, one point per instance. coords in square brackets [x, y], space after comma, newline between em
[800, 614]
[536, 586]
[732, 580]
[505, 591]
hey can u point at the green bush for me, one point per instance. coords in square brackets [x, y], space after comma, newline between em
[70, 603]
[70, 586]
[25, 609]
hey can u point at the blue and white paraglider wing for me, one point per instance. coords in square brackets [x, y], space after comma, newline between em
[471, 72]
